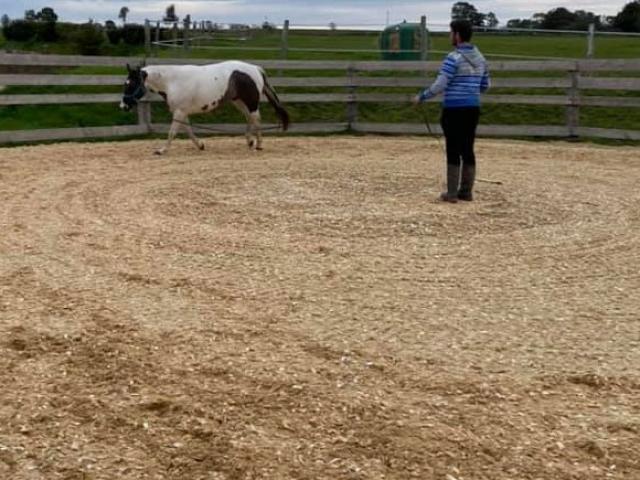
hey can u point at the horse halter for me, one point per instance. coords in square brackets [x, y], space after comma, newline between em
[138, 93]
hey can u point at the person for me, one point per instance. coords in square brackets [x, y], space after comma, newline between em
[462, 77]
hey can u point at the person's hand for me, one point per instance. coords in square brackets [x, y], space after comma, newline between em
[416, 100]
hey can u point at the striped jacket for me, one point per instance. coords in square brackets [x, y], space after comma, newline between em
[462, 77]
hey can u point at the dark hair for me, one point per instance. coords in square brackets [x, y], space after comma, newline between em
[463, 28]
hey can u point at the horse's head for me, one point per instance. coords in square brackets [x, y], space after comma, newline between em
[134, 88]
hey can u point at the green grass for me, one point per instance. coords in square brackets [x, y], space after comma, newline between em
[53, 116]
[568, 46]
[623, 118]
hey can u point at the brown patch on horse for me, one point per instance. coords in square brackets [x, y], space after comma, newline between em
[242, 87]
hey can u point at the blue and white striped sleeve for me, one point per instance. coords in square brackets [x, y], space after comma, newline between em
[485, 82]
[446, 73]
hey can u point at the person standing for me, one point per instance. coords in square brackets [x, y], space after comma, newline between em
[462, 77]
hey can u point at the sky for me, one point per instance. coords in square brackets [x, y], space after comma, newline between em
[355, 12]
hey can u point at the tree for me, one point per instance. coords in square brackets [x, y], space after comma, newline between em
[47, 15]
[46, 25]
[520, 23]
[515, 23]
[20, 31]
[30, 15]
[538, 18]
[5, 21]
[132, 34]
[88, 39]
[170, 14]
[491, 20]
[583, 19]
[466, 11]
[606, 22]
[628, 19]
[124, 11]
[559, 19]
[113, 34]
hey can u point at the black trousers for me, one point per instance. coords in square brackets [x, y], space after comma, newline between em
[459, 127]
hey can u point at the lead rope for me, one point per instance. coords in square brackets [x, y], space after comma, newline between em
[425, 118]
[220, 130]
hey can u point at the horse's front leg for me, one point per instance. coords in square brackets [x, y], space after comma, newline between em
[197, 142]
[178, 120]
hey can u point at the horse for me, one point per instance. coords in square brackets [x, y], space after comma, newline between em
[190, 89]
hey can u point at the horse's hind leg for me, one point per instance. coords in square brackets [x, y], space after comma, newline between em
[252, 140]
[255, 124]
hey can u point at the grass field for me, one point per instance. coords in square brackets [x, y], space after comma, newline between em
[266, 45]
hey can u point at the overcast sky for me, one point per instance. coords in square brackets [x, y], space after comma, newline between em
[355, 12]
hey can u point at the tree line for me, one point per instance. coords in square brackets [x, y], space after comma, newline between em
[87, 38]
[92, 38]
[626, 20]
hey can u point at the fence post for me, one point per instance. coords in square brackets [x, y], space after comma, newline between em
[175, 34]
[573, 102]
[144, 115]
[284, 42]
[157, 44]
[185, 34]
[352, 103]
[147, 38]
[590, 40]
[423, 38]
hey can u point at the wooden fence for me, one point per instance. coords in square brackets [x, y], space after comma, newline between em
[576, 79]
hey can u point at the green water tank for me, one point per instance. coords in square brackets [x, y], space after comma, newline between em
[396, 39]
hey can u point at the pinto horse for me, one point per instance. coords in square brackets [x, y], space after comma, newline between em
[190, 89]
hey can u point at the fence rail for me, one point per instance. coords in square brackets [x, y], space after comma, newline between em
[579, 78]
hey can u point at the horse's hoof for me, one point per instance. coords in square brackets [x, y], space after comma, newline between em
[259, 148]
[159, 152]
[201, 146]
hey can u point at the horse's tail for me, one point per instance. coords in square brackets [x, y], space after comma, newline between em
[271, 95]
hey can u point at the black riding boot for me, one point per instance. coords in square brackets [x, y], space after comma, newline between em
[466, 183]
[453, 179]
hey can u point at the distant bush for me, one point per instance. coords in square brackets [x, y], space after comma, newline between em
[27, 30]
[20, 31]
[88, 39]
[46, 32]
[114, 35]
[133, 34]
